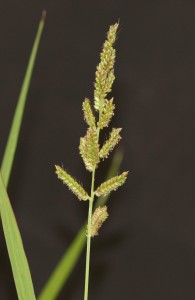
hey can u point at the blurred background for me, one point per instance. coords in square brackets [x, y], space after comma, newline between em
[146, 250]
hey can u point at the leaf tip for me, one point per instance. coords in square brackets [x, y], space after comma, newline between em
[43, 16]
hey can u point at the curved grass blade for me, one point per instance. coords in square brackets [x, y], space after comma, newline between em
[19, 263]
[64, 267]
[10, 148]
[68, 261]
[15, 248]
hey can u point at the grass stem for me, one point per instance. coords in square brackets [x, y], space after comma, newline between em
[89, 237]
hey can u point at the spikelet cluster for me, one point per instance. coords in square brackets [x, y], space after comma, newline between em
[111, 142]
[107, 114]
[111, 185]
[105, 70]
[89, 149]
[72, 184]
[99, 217]
[88, 114]
[89, 144]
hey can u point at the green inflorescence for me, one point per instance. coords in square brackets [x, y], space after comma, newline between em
[90, 149]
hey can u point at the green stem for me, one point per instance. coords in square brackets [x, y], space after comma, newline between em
[89, 226]
[89, 237]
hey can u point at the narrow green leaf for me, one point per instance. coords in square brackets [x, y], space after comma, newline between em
[64, 268]
[68, 261]
[19, 263]
[10, 148]
[15, 248]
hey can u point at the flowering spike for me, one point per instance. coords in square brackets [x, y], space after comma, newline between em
[89, 149]
[98, 218]
[111, 185]
[111, 142]
[105, 73]
[107, 113]
[89, 144]
[88, 114]
[72, 184]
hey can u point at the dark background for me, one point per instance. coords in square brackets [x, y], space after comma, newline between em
[147, 248]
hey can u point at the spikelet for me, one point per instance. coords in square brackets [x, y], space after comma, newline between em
[88, 114]
[112, 33]
[106, 114]
[72, 184]
[111, 142]
[104, 76]
[89, 149]
[99, 217]
[111, 185]
[109, 82]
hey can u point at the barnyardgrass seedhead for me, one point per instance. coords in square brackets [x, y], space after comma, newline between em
[97, 117]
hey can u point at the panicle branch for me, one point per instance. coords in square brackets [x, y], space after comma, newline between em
[111, 185]
[89, 149]
[72, 184]
[98, 218]
[104, 76]
[111, 142]
[88, 113]
[107, 114]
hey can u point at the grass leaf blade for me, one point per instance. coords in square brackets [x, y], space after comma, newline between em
[15, 248]
[19, 263]
[64, 268]
[11, 145]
